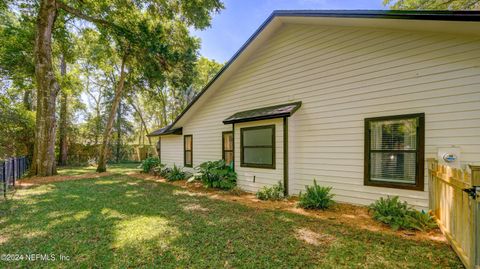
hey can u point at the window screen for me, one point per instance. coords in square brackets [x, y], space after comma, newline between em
[258, 146]
[394, 151]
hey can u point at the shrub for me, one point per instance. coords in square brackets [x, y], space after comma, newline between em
[316, 197]
[399, 215]
[216, 174]
[273, 193]
[157, 170]
[149, 163]
[176, 173]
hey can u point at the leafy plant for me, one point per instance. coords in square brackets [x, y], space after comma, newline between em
[316, 197]
[216, 174]
[149, 163]
[399, 215]
[157, 170]
[273, 193]
[176, 173]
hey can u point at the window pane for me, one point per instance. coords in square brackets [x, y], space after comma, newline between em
[228, 157]
[394, 134]
[188, 157]
[257, 155]
[188, 143]
[257, 137]
[228, 141]
[393, 167]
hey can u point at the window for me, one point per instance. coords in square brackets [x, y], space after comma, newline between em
[187, 151]
[227, 147]
[394, 151]
[258, 147]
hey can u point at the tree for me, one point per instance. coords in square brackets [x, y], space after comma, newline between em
[112, 18]
[433, 4]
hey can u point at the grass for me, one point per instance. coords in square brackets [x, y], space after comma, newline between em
[118, 221]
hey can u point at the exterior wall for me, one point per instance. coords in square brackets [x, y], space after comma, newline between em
[172, 150]
[344, 75]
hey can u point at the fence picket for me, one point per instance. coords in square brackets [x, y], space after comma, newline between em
[456, 212]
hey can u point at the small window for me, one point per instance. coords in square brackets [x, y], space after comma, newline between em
[187, 151]
[394, 151]
[227, 147]
[258, 147]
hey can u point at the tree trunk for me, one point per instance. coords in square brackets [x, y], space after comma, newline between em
[102, 159]
[62, 160]
[47, 89]
[144, 124]
[119, 131]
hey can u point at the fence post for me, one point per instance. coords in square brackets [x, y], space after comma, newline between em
[475, 245]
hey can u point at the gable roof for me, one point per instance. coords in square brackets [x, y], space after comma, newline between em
[437, 15]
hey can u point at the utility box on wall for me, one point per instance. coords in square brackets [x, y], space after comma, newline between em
[449, 156]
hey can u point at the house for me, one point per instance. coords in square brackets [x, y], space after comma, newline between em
[357, 100]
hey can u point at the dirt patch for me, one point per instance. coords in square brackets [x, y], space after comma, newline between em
[313, 238]
[33, 181]
[345, 214]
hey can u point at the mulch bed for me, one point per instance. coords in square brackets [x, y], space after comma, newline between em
[343, 213]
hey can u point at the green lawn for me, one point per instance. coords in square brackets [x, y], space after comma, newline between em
[118, 221]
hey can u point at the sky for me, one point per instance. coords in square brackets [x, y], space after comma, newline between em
[240, 18]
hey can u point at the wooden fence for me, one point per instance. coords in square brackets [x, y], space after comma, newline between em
[11, 169]
[455, 203]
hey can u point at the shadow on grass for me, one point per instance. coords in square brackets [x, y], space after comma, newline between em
[118, 221]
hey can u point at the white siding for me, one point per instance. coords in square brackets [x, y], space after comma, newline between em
[172, 150]
[343, 75]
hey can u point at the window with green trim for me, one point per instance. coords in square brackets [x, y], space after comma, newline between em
[188, 151]
[394, 151]
[258, 146]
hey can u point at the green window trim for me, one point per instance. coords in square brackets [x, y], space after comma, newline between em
[418, 152]
[186, 151]
[243, 163]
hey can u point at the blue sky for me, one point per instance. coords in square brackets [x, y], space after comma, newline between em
[240, 18]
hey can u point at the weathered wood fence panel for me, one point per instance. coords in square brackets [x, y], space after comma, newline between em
[12, 169]
[456, 206]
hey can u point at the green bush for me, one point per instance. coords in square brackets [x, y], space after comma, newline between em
[149, 163]
[157, 170]
[273, 193]
[216, 174]
[316, 197]
[176, 173]
[399, 215]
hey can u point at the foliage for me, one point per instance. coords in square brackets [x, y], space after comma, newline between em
[274, 193]
[316, 197]
[399, 215]
[216, 174]
[433, 4]
[176, 173]
[17, 126]
[149, 163]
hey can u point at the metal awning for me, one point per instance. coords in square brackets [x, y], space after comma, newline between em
[271, 112]
[166, 131]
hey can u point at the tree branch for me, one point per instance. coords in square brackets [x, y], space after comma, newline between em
[81, 15]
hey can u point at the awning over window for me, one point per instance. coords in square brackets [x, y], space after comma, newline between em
[271, 112]
[166, 131]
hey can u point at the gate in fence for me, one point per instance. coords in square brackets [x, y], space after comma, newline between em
[11, 169]
[455, 203]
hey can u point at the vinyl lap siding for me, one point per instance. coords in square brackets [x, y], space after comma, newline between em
[343, 75]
